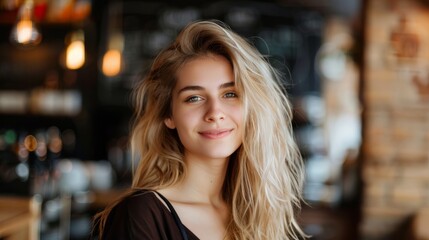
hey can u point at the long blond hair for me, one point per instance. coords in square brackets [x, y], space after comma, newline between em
[264, 180]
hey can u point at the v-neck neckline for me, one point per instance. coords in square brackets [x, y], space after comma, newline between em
[165, 207]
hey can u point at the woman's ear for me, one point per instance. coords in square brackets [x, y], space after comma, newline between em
[169, 123]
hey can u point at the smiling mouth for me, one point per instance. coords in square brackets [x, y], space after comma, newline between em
[215, 134]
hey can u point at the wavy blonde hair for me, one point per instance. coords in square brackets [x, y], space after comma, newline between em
[264, 180]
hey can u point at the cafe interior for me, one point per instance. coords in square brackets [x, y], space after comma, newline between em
[356, 72]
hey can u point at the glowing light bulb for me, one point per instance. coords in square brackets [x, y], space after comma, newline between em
[25, 31]
[75, 53]
[112, 63]
[112, 59]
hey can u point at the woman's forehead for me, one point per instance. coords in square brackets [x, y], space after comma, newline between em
[203, 70]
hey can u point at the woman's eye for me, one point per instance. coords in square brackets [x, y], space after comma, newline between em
[230, 95]
[193, 99]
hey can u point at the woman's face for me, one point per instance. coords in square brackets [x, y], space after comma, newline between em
[206, 109]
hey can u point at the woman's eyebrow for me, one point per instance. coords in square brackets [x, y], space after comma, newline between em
[190, 88]
[227, 85]
[196, 87]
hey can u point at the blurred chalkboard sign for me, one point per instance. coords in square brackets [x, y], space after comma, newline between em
[288, 36]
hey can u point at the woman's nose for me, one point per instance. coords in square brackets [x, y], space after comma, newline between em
[214, 111]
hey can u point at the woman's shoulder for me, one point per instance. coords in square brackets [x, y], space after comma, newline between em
[138, 213]
[141, 214]
[139, 201]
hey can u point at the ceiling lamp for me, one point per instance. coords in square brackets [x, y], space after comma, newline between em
[75, 53]
[25, 32]
[112, 59]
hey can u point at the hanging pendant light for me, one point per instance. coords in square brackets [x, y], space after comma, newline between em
[75, 52]
[112, 59]
[25, 32]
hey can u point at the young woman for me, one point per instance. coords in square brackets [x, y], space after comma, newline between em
[217, 159]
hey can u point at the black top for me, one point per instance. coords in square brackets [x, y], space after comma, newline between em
[142, 215]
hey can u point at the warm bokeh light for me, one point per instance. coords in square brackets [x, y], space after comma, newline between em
[24, 30]
[75, 55]
[112, 63]
[30, 143]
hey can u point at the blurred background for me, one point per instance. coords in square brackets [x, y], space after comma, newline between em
[356, 72]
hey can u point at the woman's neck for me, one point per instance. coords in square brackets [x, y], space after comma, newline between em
[203, 181]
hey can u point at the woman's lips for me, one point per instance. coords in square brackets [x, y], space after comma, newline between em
[215, 134]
